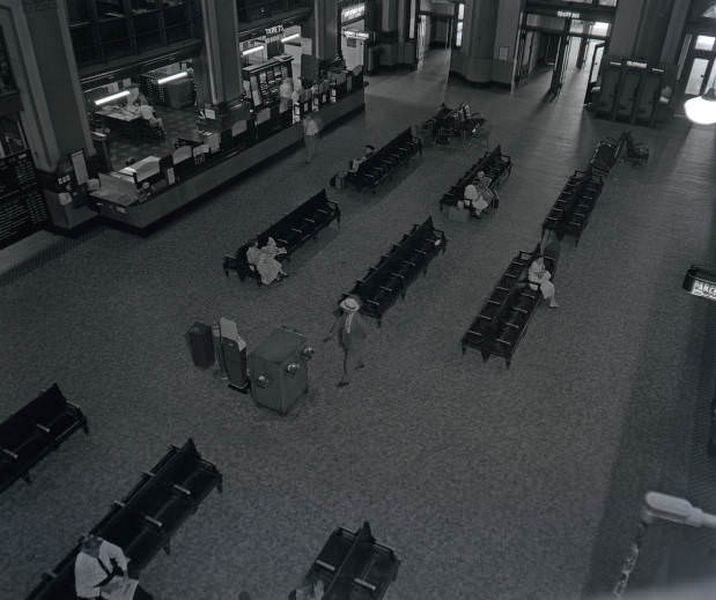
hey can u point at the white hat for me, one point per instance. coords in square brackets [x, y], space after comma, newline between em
[350, 304]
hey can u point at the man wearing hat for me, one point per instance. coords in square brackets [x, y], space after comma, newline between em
[351, 337]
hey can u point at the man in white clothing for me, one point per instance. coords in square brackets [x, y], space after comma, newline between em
[101, 569]
[311, 130]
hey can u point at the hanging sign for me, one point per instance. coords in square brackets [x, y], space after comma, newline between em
[349, 13]
[700, 282]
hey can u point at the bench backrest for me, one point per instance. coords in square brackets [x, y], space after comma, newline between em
[43, 409]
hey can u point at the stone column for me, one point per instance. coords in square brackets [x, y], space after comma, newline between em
[325, 27]
[474, 59]
[649, 30]
[218, 70]
[40, 50]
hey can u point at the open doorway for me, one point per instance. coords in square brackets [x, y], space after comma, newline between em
[438, 23]
[560, 51]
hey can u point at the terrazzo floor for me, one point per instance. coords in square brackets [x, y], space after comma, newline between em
[489, 483]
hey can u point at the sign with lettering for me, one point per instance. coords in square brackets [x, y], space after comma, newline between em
[22, 204]
[275, 30]
[350, 13]
[568, 14]
[701, 282]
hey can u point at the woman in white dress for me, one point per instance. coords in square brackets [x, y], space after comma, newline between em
[540, 279]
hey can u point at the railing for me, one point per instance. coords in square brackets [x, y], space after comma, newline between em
[108, 35]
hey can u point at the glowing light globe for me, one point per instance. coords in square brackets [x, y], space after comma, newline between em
[702, 109]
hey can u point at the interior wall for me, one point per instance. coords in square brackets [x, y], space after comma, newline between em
[506, 32]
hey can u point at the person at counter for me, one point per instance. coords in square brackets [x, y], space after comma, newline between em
[285, 94]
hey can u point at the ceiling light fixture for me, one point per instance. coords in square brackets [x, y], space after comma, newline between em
[702, 109]
[288, 38]
[168, 78]
[253, 50]
[111, 97]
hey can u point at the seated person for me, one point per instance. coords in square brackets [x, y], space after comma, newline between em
[368, 151]
[484, 187]
[539, 278]
[474, 200]
[264, 261]
[308, 592]
[147, 113]
[101, 570]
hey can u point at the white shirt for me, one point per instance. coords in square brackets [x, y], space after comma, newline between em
[310, 127]
[89, 573]
[147, 112]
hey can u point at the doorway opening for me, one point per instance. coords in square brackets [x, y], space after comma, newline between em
[562, 50]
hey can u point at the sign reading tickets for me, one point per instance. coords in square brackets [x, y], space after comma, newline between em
[701, 282]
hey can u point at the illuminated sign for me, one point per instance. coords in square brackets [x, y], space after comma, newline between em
[568, 14]
[356, 35]
[352, 12]
[636, 64]
[700, 282]
[276, 30]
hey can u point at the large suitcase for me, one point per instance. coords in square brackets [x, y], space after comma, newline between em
[201, 345]
[279, 370]
[233, 355]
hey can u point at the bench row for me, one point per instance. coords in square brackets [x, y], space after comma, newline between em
[143, 522]
[290, 232]
[494, 164]
[396, 270]
[377, 167]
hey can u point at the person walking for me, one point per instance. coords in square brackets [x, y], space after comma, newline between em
[311, 130]
[351, 337]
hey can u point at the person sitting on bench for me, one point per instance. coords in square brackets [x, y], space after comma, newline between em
[308, 592]
[475, 201]
[101, 570]
[264, 261]
[539, 278]
[368, 151]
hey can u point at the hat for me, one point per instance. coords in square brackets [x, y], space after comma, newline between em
[350, 304]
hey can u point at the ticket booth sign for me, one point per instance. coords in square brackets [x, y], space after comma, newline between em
[700, 281]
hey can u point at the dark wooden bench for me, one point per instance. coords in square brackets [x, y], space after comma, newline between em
[571, 211]
[353, 566]
[389, 279]
[34, 431]
[290, 232]
[496, 166]
[504, 317]
[377, 168]
[606, 155]
[144, 521]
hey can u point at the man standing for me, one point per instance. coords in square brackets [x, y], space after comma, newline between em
[351, 337]
[310, 135]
